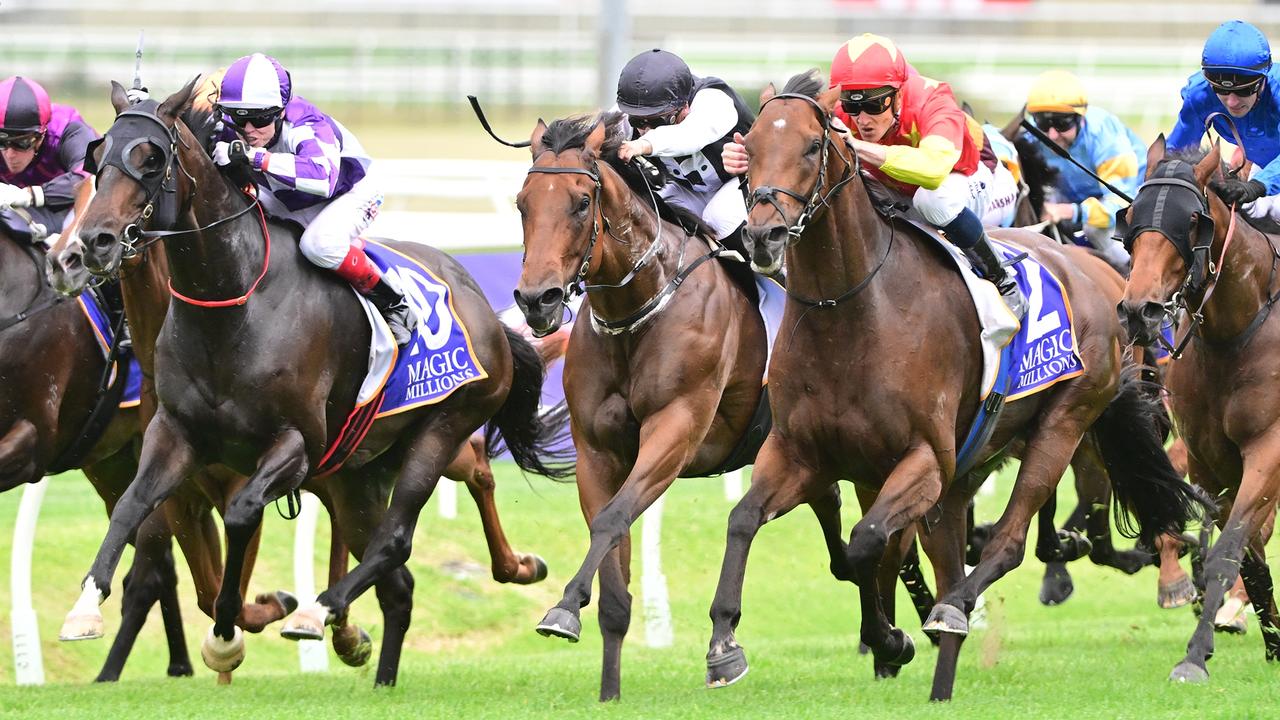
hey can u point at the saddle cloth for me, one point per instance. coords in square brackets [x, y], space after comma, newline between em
[101, 326]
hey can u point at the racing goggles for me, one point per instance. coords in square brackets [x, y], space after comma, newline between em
[652, 121]
[256, 117]
[1062, 122]
[1233, 84]
[876, 101]
[18, 142]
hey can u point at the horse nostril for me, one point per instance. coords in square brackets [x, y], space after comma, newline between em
[1152, 312]
[551, 297]
[104, 239]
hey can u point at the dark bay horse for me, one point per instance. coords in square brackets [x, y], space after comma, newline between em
[51, 365]
[876, 379]
[663, 373]
[264, 382]
[1197, 255]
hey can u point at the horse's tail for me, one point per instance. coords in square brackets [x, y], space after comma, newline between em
[529, 435]
[1131, 433]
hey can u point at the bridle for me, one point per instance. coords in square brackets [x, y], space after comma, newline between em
[816, 200]
[161, 190]
[577, 285]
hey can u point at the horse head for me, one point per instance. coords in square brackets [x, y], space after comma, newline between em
[561, 215]
[143, 166]
[789, 148]
[1169, 230]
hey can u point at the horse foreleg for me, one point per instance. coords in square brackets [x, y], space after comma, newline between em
[945, 546]
[18, 455]
[665, 449]
[280, 469]
[1253, 504]
[778, 484]
[167, 459]
[471, 466]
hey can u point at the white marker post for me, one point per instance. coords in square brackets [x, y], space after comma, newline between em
[657, 609]
[28, 664]
[733, 485]
[447, 495]
[312, 655]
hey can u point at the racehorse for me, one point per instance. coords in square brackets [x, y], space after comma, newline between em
[52, 366]
[877, 377]
[663, 375]
[1191, 252]
[264, 382]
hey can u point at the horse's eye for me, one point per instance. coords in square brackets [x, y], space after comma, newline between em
[814, 147]
[583, 204]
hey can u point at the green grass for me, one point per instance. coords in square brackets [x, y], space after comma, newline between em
[472, 652]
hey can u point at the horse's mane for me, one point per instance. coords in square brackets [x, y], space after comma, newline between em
[808, 83]
[571, 133]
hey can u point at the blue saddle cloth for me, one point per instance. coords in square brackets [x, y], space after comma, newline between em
[440, 357]
[1041, 354]
[101, 328]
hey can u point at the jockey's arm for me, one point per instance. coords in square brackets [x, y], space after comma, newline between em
[312, 167]
[711, 115]
[61, 191]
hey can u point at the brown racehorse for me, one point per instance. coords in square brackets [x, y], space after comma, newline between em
[1197, 255]
[663, 371]
[51, 365]
[284, 356]
[877, 377]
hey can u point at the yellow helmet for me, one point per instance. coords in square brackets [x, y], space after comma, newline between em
[1057, 91]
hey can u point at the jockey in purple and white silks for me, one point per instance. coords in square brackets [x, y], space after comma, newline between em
[308, 168]
[42, 147]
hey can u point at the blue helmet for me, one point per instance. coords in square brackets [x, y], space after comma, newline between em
[1238, 48]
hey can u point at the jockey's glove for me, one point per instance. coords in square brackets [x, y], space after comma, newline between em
[236, 152]
[12, 196]
[137, 95]
[1238, 192]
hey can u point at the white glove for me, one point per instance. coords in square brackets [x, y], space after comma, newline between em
[137, 95]
[222, 153]
[12, 196]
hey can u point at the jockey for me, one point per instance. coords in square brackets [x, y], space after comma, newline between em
[1236, 76]
[308, 168]
[910, 133]
[42, 146]
[1097, 140]
[685, 121]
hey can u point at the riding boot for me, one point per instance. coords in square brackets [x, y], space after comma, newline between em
[395, 310]
[989, 263]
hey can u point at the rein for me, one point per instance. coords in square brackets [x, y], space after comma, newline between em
[266, 261]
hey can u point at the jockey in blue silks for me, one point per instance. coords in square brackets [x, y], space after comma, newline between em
[1236, 77]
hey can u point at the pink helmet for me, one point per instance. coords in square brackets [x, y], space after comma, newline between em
[24, 107]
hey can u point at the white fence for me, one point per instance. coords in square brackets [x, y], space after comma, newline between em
[406, 182]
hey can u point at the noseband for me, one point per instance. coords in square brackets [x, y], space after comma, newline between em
[815, 200]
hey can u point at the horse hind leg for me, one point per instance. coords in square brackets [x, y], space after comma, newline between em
[471, 466]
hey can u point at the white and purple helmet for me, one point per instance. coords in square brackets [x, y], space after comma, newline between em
[255, 82]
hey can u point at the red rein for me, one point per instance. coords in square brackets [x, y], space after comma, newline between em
[266, 262]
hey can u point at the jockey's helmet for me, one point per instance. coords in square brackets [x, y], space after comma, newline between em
[654, 82]
[24, 107]
[1236, 55]
[254, 82]
[868, 61]
[1057, 91]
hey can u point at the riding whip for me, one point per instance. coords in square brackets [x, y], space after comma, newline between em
[1062, 153]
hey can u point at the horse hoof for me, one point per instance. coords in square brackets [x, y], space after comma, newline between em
[947, 619]
[1177, 594]
[288, 601]
[79, 626]
[1231, 617]
[559, 622]
[180, 670]
[906, 650]
[726, 668]
[306, 624]
[353, 646]
[220, 655]
[1057, 585]
[539, 573]
[540, 569]
[1188, 672]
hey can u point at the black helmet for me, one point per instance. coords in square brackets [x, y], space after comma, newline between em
[653, 83]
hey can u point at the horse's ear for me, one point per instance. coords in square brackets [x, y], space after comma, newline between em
[767, 93]
[1155, 154]
[535, 140]
[829, 98]
[1209, 164]
[595, 139]
[119, 98]
[178, 101]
